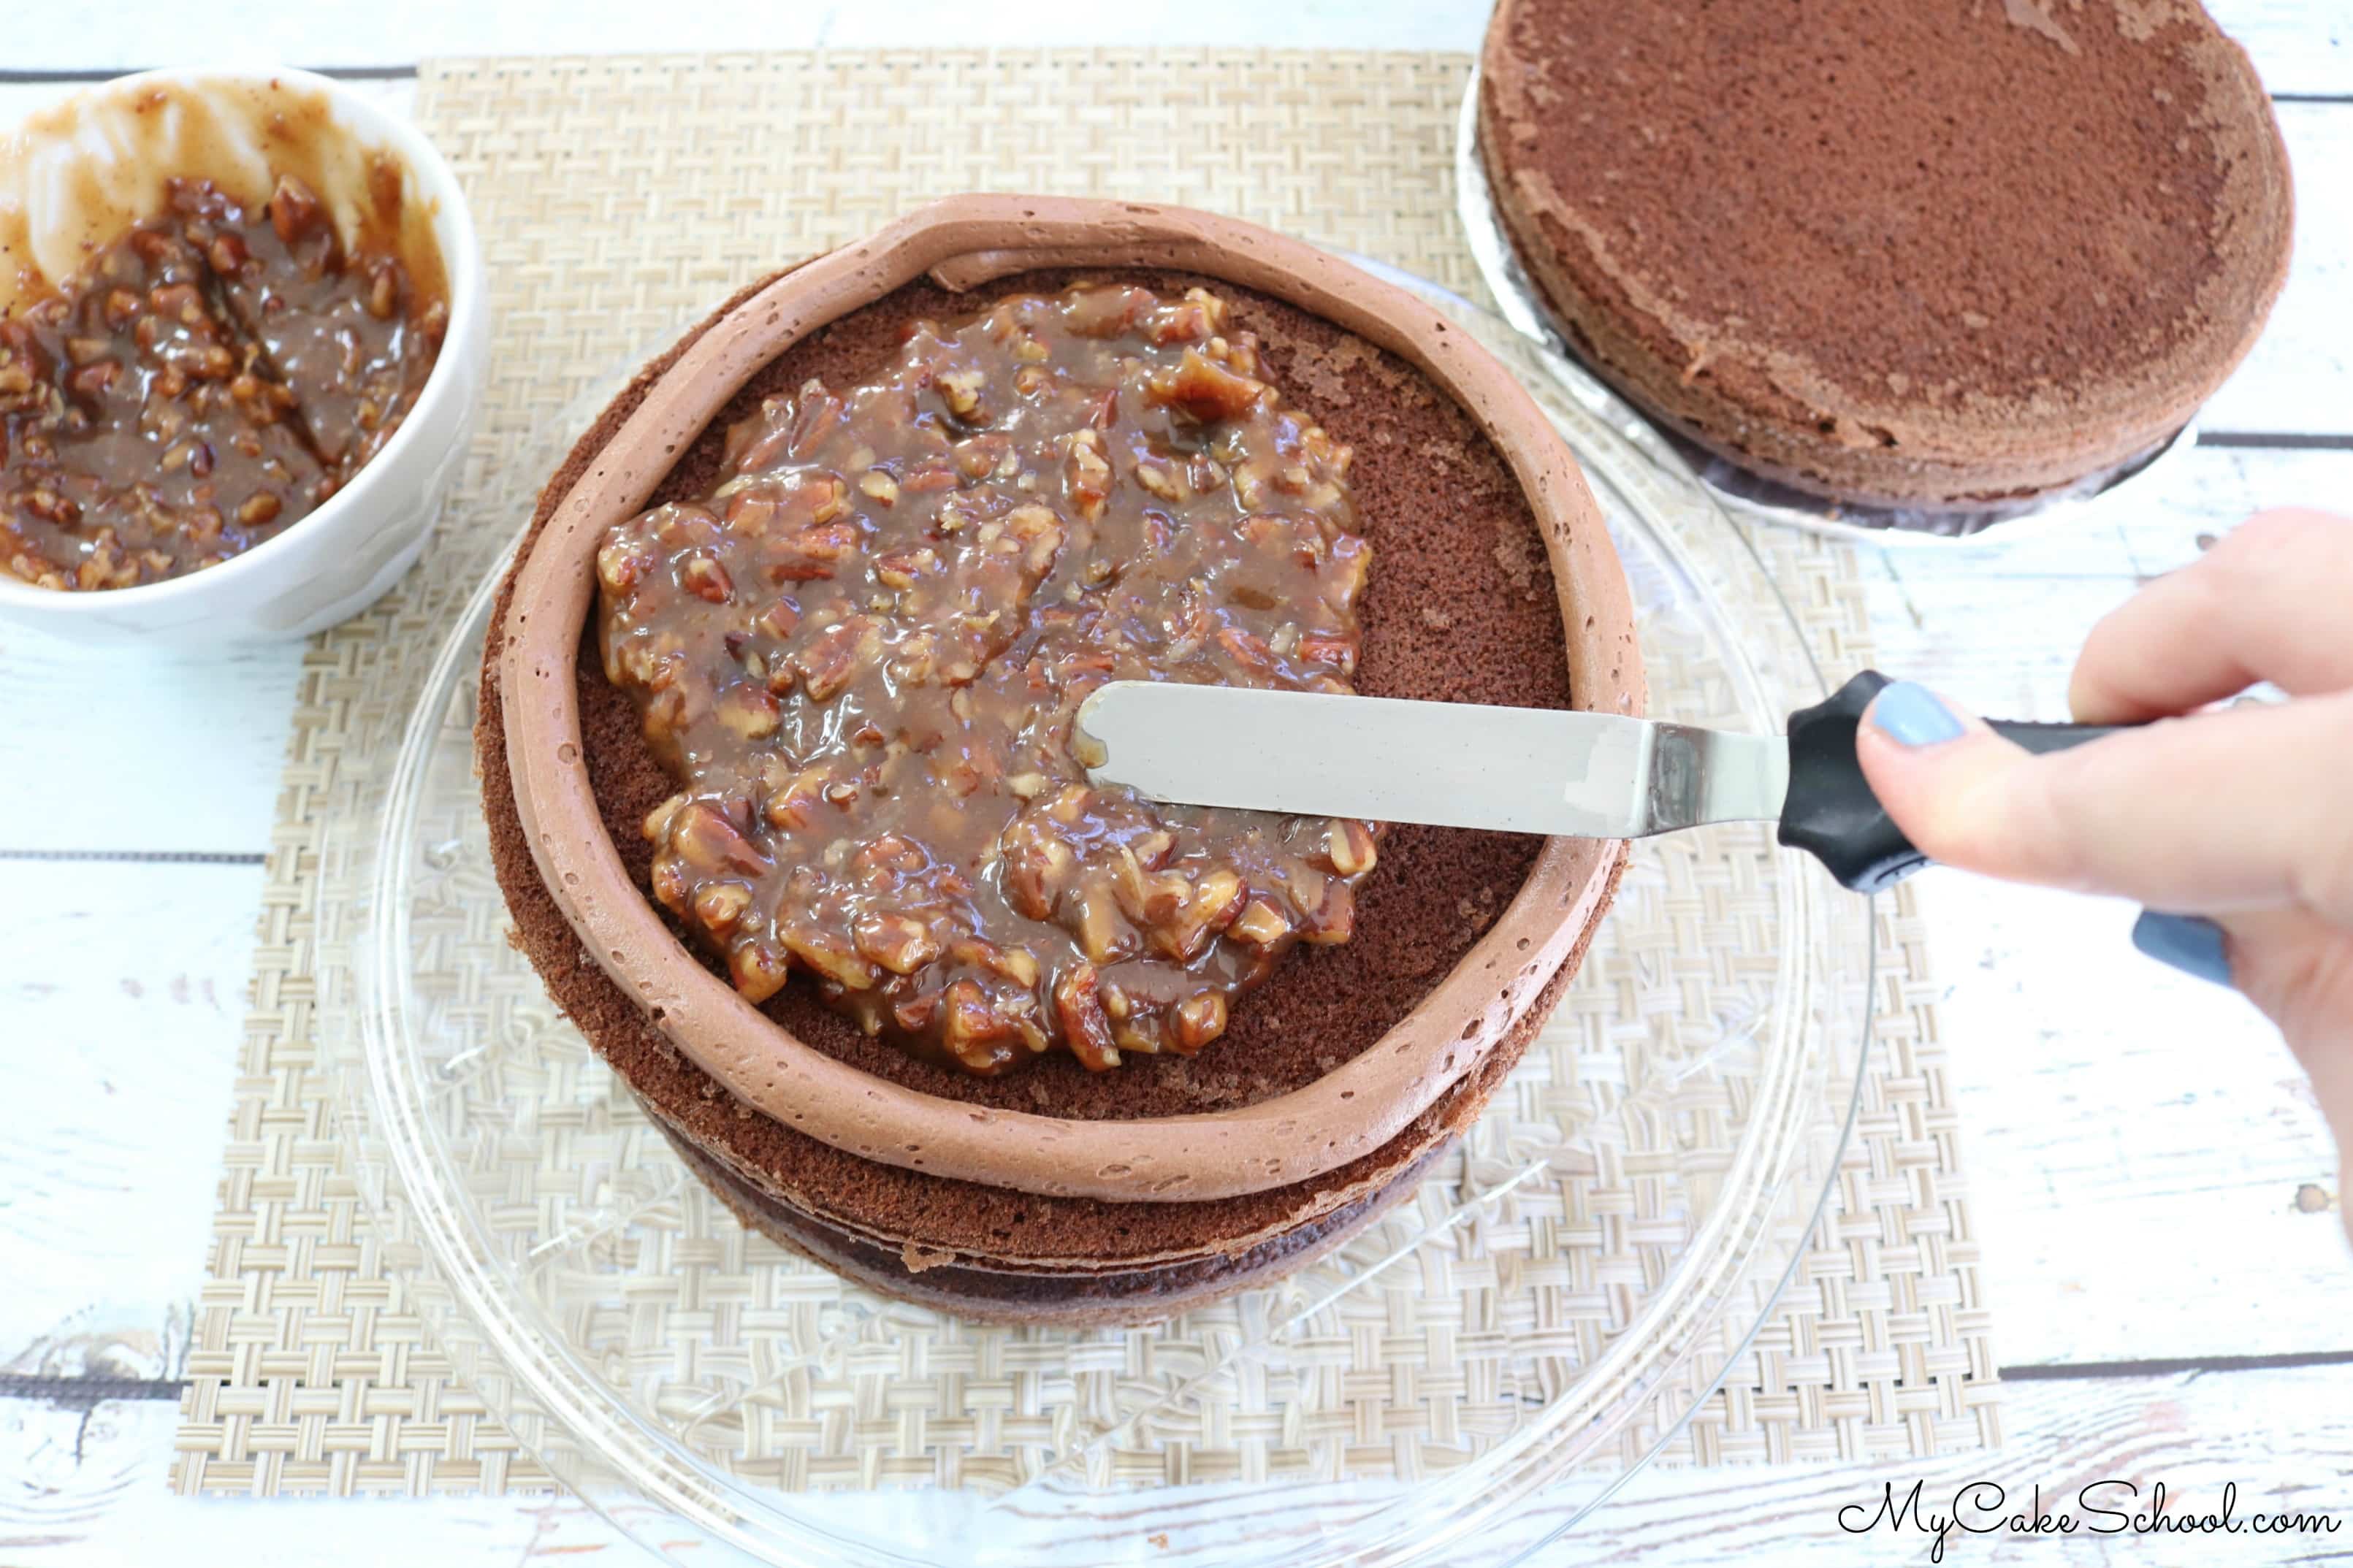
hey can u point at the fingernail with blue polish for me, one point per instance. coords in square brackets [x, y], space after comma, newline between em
[1911, 714]
[2189, 943]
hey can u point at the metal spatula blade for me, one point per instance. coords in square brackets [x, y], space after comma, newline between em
[1521, 770]
[1524, 770]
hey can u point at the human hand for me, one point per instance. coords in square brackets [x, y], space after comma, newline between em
[2237, 823]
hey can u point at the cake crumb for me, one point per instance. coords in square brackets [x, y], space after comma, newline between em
[1519, 559]
[1478, 911]
[918, 1257]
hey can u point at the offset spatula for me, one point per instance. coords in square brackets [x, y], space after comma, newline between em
[1521, 770]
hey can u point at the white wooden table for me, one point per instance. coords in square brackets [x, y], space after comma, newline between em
[2154, 1187]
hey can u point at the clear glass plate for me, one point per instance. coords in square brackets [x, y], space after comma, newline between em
[1543, 1315]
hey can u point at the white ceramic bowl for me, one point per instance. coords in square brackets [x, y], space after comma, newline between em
[87, 168]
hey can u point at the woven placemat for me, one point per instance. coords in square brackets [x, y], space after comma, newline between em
[616, 196]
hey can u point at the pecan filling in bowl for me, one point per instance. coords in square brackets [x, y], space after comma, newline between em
[859, 656]
[210, 379]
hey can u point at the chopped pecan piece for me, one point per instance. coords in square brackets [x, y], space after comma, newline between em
[1079, 1008]
[899, 943]
[1205, 390]
[1201, 1018]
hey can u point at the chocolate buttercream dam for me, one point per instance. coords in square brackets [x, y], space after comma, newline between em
[1052, 1191]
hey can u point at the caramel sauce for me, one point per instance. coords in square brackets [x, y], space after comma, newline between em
[208, 381]
[860, 657]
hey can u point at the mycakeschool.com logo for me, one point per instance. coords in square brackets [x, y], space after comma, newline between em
[2102, 1508]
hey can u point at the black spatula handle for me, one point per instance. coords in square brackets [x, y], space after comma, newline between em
[1830, 812]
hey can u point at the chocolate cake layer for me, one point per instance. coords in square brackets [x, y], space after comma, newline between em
[1084, 1299]
[1920, 255]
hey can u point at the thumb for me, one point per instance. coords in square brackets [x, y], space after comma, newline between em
[1957, 789]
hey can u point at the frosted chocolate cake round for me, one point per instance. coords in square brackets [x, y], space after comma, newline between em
[1046, 1187]
[1936, 257]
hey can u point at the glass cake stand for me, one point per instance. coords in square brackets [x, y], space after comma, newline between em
[1462, 1382]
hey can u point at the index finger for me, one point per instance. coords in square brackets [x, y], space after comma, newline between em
[2269, 603]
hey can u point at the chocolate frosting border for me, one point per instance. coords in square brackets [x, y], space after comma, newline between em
[962, 242]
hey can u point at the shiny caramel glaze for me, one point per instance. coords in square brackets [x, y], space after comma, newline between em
[861, 656]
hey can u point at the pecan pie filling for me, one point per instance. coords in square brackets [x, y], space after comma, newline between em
[860, 658]
[209, 380]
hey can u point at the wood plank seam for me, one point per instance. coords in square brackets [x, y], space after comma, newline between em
[2275, 440]
[2174, 1366]
[67, 77]
[71, 78]
[73, 1389]
[149, 856]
